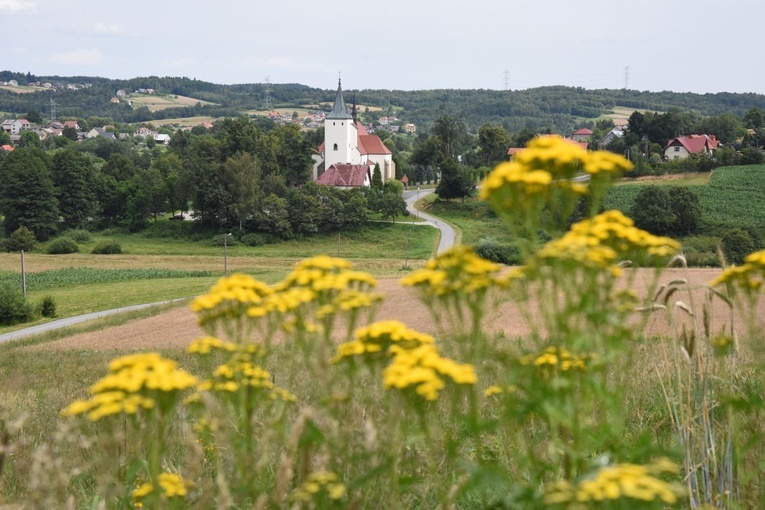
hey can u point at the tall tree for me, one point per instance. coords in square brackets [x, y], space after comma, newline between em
[493, 142]
[241, 176]
[74, 180]
[452, 133]
[27, 194]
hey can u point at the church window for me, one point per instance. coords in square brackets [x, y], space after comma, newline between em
[335, 147]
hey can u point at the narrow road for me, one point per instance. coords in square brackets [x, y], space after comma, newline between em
[447, 232]
[71, 321]
[410, 196]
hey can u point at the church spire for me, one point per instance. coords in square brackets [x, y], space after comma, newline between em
[339, 110]
[354, 111]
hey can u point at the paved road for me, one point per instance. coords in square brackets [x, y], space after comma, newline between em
[410, 196]
[71, 321]
[447, 232]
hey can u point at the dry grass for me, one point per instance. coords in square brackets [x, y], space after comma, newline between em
[160, 102]
[22, 89]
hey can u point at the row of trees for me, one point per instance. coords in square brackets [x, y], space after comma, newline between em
[238, 175]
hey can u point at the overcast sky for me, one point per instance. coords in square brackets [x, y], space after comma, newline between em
[701, 46]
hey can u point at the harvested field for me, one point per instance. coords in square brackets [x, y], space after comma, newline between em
[177, 327]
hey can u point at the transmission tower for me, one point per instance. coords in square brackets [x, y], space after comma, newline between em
[52, 110]
[267, 93]
[626, 77]
[507, 79]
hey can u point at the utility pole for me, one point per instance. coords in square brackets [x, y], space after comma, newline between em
[267, 94]
[23, 275]
[626, 77]
[52, 110]
[507, 79]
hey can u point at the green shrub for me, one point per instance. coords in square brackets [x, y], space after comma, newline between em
[737, 243]
[253, 240]
[63, 245]
[21, 239]
[14, 307]
[219, 240]
[48, 307]
[491, 249]
[79, 235]
[107, 248]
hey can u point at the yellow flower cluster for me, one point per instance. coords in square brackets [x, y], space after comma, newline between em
[348, 300]
[457, 270]
[318, 482]
[240, 372]
[600, 242]
[172, 486]
[422, 369]
[547, 162]
[498, 390]
[749, 276]
[557, 358]
[323, 273]
[207, 344]
[630, 481]
[227, 297]
[130, 385]
[380, 337]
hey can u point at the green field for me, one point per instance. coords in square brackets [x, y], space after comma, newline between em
[734, 196]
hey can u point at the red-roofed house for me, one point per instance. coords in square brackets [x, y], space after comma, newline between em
[346, 141]
[343, 175]
[582, 135]
[684, 146]
[6, 148]
[72, 124]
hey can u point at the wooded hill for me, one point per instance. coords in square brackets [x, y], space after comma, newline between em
[559, 108]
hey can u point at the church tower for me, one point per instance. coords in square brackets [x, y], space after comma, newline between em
[340, 134]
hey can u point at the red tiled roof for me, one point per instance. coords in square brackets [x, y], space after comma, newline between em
[7, 148]
[583, 131]
[513, 150]
[344, 174]
[70, 123]
[405, 179]
[361, 129]
[320, 148]
[371, 144]
[695, 143]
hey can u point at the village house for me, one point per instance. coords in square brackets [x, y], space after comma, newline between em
[615, 133]
[344, 175]
[15, 126]
[683, 146]
[582, 135]
[346, 141]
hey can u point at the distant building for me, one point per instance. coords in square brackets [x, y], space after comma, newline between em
[684, 146]
[615, 133]
[346, 176]
[582, 135]
[346, 141]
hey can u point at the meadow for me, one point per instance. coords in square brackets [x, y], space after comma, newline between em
[298, 398]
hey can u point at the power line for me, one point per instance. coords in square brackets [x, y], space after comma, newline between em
[507, 79]
[626, 77]
[267, 94]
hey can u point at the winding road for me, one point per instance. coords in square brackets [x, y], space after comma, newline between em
[446, 241]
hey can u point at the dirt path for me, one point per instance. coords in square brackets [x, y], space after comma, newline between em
[177, 327]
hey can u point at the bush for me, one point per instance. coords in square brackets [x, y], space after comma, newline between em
[490, 249]
[652, 210]
[219, 240]
[253, 240]
[79, 235]
[686, 207]
[21, 239]
[107, 248]
[63, 245]
[737, 243]
[14, 307]
[48, 307]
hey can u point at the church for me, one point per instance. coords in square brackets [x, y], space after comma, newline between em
[348, 155]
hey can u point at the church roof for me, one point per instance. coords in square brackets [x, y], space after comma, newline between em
[339, 110]
[344, 174]
[371, 144]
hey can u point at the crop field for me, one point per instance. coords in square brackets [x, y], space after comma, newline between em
[183, 121]
[160, 102]
[733, 197]
[21, 89]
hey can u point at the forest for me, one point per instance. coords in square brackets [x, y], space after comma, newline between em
[557, 108]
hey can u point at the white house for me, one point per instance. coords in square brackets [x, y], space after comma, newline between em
[683, 146]
[14, 126]
[346, 141]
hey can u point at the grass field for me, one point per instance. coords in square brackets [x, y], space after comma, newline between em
[134, 277]
[156, 102]
[733, 196]
[692, 179]
[184, 121]
[21, 89]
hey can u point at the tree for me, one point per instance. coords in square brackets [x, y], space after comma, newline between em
[27, 196]
[736, 244]
[377, 182]
[29, 139]
[34, 116]
[73, 178]
[5, 138]
[392, 205]
[754, 118]
[493, 142]
[241, 175]
[452, 133]
[686, 207]
[455, 181]
[652, 210]
[426, 158]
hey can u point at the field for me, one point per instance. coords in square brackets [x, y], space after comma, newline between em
[733, 196]
[156, 102]
[184, 121]
[21, 89]
[621, 114]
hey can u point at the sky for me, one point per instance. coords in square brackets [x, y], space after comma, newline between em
[651, 45]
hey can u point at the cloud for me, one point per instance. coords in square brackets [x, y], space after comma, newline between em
[103, 28]
[279, 62]
[180, 62]
[18, 5]
[78, 57]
